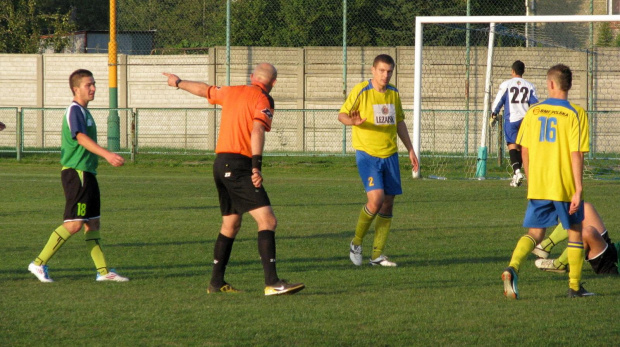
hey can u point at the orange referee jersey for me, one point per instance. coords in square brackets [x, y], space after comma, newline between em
[241, 106]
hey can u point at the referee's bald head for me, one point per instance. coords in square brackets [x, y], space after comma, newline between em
[265, 73]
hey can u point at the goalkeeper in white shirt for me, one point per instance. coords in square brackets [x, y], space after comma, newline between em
[515, 95]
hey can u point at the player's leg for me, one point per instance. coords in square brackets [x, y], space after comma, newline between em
[575, 248]
[75, 209]
[383, 222]
[524, 246]
[231, 221]
[511, 129]
[39, 266]
[231, 224]
[607, 261]
[391, 187]
[514, 152]
[558, 235]
[538, 216]
[575, 252]
[601, 255]
[369, 171]
[592, 218]
[92, 236]
[266, 220]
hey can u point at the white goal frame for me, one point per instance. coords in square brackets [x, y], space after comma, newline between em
[491, 20]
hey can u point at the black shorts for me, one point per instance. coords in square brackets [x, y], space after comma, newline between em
[606, 263]
[81, 194]
[233, 179]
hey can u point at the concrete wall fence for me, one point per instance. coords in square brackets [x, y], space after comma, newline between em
[308, 94]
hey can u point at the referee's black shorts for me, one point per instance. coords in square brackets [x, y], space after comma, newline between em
[233, 179]
[82, 196]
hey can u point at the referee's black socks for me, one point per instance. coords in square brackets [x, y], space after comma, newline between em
[221, 255]
[267, 251]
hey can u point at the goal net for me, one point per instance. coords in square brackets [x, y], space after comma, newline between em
[460, 63]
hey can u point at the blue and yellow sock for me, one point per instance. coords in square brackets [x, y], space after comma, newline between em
[576, 254]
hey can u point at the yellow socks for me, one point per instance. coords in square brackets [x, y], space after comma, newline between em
[558, 235]
[575, 263]
[525, 245]
[562, 259]
[363, 224]
[382, 229]
[56, 240]
[92, 242]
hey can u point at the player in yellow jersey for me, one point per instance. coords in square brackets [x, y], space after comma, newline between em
[553, 138]
[374, 110]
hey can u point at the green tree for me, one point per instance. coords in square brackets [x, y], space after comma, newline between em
[303, 23]
[22, 24]
[605, 35]
[177, 24]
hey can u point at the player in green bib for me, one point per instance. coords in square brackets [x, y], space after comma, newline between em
[374, 111]
[79, 159]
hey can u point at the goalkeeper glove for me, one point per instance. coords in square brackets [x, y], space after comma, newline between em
[493, 120]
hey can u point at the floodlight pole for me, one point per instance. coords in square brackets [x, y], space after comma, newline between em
[227, 42]
[344, 69]
[114, 136]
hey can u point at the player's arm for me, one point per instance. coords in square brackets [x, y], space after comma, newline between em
[403, 134]
[533, 99]
[196, 88]
[92, 146]
[258, 143]
[2, 126]
[352, 118]
[525, 160]
[577, 166]
[497, 104]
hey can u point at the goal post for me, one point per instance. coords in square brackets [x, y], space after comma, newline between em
[549, 52]
[481, 166]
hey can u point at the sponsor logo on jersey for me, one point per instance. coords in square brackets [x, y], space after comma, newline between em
[385, 114]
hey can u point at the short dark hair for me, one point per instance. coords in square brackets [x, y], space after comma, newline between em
[76, 76]
[518, 67]
[383, 58]
[562, 75]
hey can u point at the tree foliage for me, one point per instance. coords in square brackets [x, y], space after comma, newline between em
[23, 22]
[202, 23]
[605, 35]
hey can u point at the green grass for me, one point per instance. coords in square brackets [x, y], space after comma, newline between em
[450, 238]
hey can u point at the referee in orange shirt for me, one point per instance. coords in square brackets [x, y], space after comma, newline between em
[247, 112]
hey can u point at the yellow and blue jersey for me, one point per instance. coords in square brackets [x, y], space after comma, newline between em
[551, 131]
[377, 135]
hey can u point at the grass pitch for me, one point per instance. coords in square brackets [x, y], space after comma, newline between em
[160, 217]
